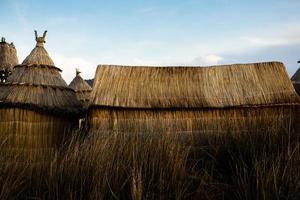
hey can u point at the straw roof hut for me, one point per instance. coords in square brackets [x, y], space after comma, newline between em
[233, 98]
[8, 59]
[82, 89]
[296, 81]
[37, 108]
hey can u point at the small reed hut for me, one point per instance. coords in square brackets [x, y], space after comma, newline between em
[232, 98]
[296, 81]
[83, 93]
[8, 59]
[37, 108]
[82, 89]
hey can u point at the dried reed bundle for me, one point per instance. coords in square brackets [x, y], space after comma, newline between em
[277, 119]
[8, 59]
[82, 89]
[193, 87]
[37, 84]
[37, 108]
[193, 99]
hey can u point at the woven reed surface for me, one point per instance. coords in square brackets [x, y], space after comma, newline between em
[82, 89]
[276, 119]
[37, 84]
[78, 84]
[37, 75]
[193, 87]
[33, 134]
[8, 56]
[39, 97]
[38, 56]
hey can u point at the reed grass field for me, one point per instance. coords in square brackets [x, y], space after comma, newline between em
[115, 165]
[177, 100]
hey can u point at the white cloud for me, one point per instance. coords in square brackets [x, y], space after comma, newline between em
[286, 34]
[68, 65]
[210, 59]
[155, 51]
[260, 41]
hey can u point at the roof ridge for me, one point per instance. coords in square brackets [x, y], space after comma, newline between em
[188, 66]
[38, 65]
[36, 85]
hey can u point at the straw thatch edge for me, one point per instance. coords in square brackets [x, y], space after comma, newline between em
[38, 85]
[192, 66]
[149, 88]
[39, 65]
[91, 107]
[74, 113]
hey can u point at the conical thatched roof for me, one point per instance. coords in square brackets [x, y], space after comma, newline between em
[39, 55]
[296, 81]
[37, 84]
[82, 89]
[239, 85]
[8, 56]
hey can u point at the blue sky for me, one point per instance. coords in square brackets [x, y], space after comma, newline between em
[85, 33]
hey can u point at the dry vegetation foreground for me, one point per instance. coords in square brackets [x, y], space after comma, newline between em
[125, 166]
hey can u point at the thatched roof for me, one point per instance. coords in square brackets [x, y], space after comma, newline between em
[37, 84]
[39, 55]
[193, 87]
[8, 56]
[296, 80]
[78, 84]
[81, 88]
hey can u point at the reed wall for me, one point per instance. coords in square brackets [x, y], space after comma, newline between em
[255, 119]
[32, 134]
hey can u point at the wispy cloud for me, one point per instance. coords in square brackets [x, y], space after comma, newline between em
[207, 60]
[276, 36]
[68, 65]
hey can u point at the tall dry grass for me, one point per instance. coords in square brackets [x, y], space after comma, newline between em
[254, 165]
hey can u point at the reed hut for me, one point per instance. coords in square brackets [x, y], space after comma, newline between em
[82, 89]
[296, 81]
[229, 98]
[37, 108]
[8, 59]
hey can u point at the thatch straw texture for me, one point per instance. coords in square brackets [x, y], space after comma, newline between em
[37, 84]
[8, 56]
[193, 99]
[36, 105]
[277, 119]
[28, 134]
[193, 87]
[38, 56]
[296, 81]
[8, 59]
[38, 87]
[82, 89]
